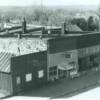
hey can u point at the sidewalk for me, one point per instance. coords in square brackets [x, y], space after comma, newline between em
[65, 86]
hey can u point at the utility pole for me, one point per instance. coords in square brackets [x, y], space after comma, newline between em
[99, 20]
[42, 5]
[24, 26]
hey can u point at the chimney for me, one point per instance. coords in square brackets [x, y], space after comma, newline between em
[63, 29]
[43, 30]
[24, 27]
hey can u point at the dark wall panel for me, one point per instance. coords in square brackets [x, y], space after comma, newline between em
[31, 63]
[88, 40]
[61, 44]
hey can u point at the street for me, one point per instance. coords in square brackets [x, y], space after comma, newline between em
[66, 87]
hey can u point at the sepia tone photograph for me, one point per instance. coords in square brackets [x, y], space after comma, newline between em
[49, 50]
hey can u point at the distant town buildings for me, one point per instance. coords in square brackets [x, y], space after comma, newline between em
[43, 55]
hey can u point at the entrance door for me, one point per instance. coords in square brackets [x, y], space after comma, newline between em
[53, 74]
[62, 73]
[19, 83]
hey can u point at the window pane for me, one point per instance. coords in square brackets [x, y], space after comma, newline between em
[18, 80]
[40, 73]
[29, 77]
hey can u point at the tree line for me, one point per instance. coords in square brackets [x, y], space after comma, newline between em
[51, 17]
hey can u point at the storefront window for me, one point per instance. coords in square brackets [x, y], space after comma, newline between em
[53, 71]
[18, 80]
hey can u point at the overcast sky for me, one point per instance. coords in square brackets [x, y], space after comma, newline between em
[48, 2]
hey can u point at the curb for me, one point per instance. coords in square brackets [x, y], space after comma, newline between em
[76, 90]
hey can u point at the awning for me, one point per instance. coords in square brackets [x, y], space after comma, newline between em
[65, 66]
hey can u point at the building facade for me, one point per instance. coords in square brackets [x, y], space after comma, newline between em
[31, 62]
[20, 73]
[70, 55]
[62, 57]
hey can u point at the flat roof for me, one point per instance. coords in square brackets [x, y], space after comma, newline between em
[43, 33]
